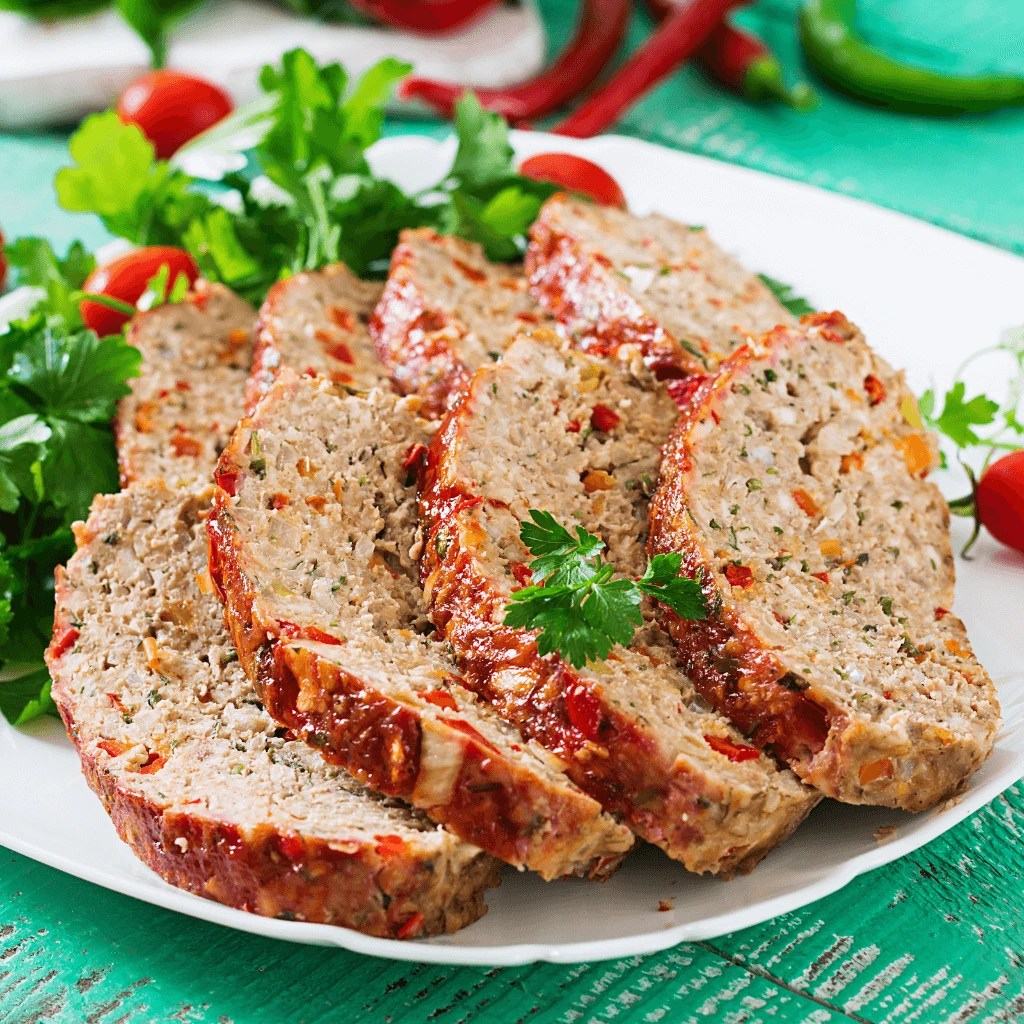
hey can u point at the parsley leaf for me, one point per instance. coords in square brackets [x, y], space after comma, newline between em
[663, 582]
[784, 293]
[58, 390]
[957, 416]
[35, 264]
[75, 377]
[563, 559]
[485, 154]
[580, 610]
[20, 446]
[116, 175]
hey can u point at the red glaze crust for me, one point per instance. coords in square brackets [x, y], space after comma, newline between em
[580, 290]
[374, 890]
[419, 338]
[491, 801]
[608, 754]
[731, 665]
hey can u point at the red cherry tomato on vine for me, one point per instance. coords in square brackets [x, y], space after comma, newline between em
[575, 174]
[126, 279]
[1000, 500]
[170, 108]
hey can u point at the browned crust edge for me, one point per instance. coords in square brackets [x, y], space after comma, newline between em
[578, 289]
[494, 802]
[281, 875]
[414, 339]
[722, 652]
[606, 754]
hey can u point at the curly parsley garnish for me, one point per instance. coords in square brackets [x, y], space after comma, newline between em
[581, 611]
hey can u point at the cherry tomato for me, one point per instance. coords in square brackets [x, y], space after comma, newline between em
[171, 108]
[126, 279]
[575, 174]
[1000, 500]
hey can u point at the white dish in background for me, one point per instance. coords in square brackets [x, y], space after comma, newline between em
[925, 297]
[53, 73]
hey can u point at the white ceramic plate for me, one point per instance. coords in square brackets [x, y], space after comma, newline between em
[925, 298]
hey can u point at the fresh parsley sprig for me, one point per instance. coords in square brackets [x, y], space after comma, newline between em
[302, 193]
[59, 386]
[580, 609]
[961, 423]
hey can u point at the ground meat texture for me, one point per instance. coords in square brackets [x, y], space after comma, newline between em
[314, 547]
[795, 483]
[614, 278]
[185, 403]
[198, 779]
[445, 311]
[632, 730]
[317, 323]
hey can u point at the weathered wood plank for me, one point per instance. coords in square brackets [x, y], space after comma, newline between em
[937, 938]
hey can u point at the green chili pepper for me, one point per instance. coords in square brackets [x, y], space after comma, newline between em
[844, 60]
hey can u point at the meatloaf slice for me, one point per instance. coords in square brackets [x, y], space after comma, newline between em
[578, 437]
[314, 546]
[316, 323]
[445, 311]
[795, 484]
[612, 278]
[183, 407]
[197, 778]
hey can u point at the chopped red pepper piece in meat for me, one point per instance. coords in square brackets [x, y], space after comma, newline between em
[875, 389]
[391, 846]
[737, 752]
[584, 710]
[739, 576]
[603, 418]
[441, 699]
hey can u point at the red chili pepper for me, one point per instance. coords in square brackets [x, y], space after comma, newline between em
[601, 29]
[428, 17]
[521, 573]
[739, 576]
[743, 64]
[673, 42]
[875, 389]
[293, 631]
[153, 764]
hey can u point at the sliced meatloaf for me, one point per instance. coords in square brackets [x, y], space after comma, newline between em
[578, 437]
[198, 779]
[794, 484]
[615, 278]
[184, 406]
[316, 323]
[314, 547]
[445, 311]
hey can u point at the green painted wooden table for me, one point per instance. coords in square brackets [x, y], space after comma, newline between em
[936, 937]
